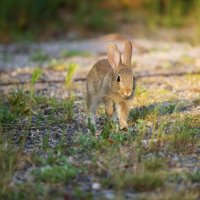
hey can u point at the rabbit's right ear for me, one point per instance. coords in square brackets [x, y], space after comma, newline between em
[114, 56]
[127, 53]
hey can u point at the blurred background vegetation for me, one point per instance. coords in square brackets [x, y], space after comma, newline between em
[47, 19]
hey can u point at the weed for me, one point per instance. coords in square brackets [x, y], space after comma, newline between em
[7, 165]
[45, 141]
[55, 173]
[183, 137]
[39, 56]
[140, 113]
[19, 102]
[141, 182]
[69, 109]
[6, 116]
[154, 164]
[80, 194]
[23, 191]
[70, 72]
[152, 109]
[71, 53]
[91, 126]
[106, 130]
[120, 137]
[170, 194]
[36, 74]
[196, 101]
[85, 141]
[14, 105]
[194, 176]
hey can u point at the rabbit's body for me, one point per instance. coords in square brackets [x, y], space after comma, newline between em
[112, 85]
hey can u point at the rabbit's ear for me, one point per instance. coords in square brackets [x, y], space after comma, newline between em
[127, 53]
[114, 56]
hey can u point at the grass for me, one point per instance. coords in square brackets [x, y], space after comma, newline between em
[72, 53]
[36, 74]
[16, 107]
[39, 56]
[154, 164]
[45, 138]
[143, 181]
[70, 72]
[194, 177]
[55, 173]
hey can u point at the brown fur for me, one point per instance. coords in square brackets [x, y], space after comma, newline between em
[102, 84]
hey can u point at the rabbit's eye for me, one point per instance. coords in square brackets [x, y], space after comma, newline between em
[118, 78]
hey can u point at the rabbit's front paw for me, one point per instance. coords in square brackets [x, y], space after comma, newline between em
[123, 125]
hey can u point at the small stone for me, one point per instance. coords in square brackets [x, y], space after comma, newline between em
[96, 186]
[108, 194]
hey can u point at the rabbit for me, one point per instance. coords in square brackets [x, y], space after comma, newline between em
[112, 82]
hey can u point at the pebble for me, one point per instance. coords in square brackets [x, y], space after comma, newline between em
[109, 194]
[96, 186]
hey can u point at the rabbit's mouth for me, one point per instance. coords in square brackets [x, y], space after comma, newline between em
[127, 95]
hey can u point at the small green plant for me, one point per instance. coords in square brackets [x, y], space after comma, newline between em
[106, 130]
[85, 142]
[140, 113]
[69, 108]
[7, 165]
[81, 194]
[70, 72]
[15, 104]
[39, 56]
[154, 164]
[37, 73]
[146, 181]
[6, 116]
[45, 141]
[183, 138]
[141, 182]
[91, 126]
[194, 176]
[141, 128]
[196, 101]
[71, 53]
[19, 102]
[55, 173]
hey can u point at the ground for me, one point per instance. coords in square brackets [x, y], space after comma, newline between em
[48, 151]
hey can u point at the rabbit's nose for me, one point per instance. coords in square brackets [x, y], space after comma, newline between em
[127, 93]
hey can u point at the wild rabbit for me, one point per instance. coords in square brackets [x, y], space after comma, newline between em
[111, 81]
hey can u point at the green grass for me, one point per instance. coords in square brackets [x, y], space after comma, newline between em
[154, 164]
[194, 177]
[36, 74]
[15, 107]
[139, 182]
[55, 173]
[39, 56]
[72, 53]
[139, 161]
[70, 72]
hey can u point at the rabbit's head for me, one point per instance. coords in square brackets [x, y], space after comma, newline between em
[123, 71]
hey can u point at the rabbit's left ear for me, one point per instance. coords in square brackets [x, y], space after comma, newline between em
[127, 53]
[114, 56]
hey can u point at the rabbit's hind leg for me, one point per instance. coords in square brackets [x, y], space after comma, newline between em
[92, 104]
